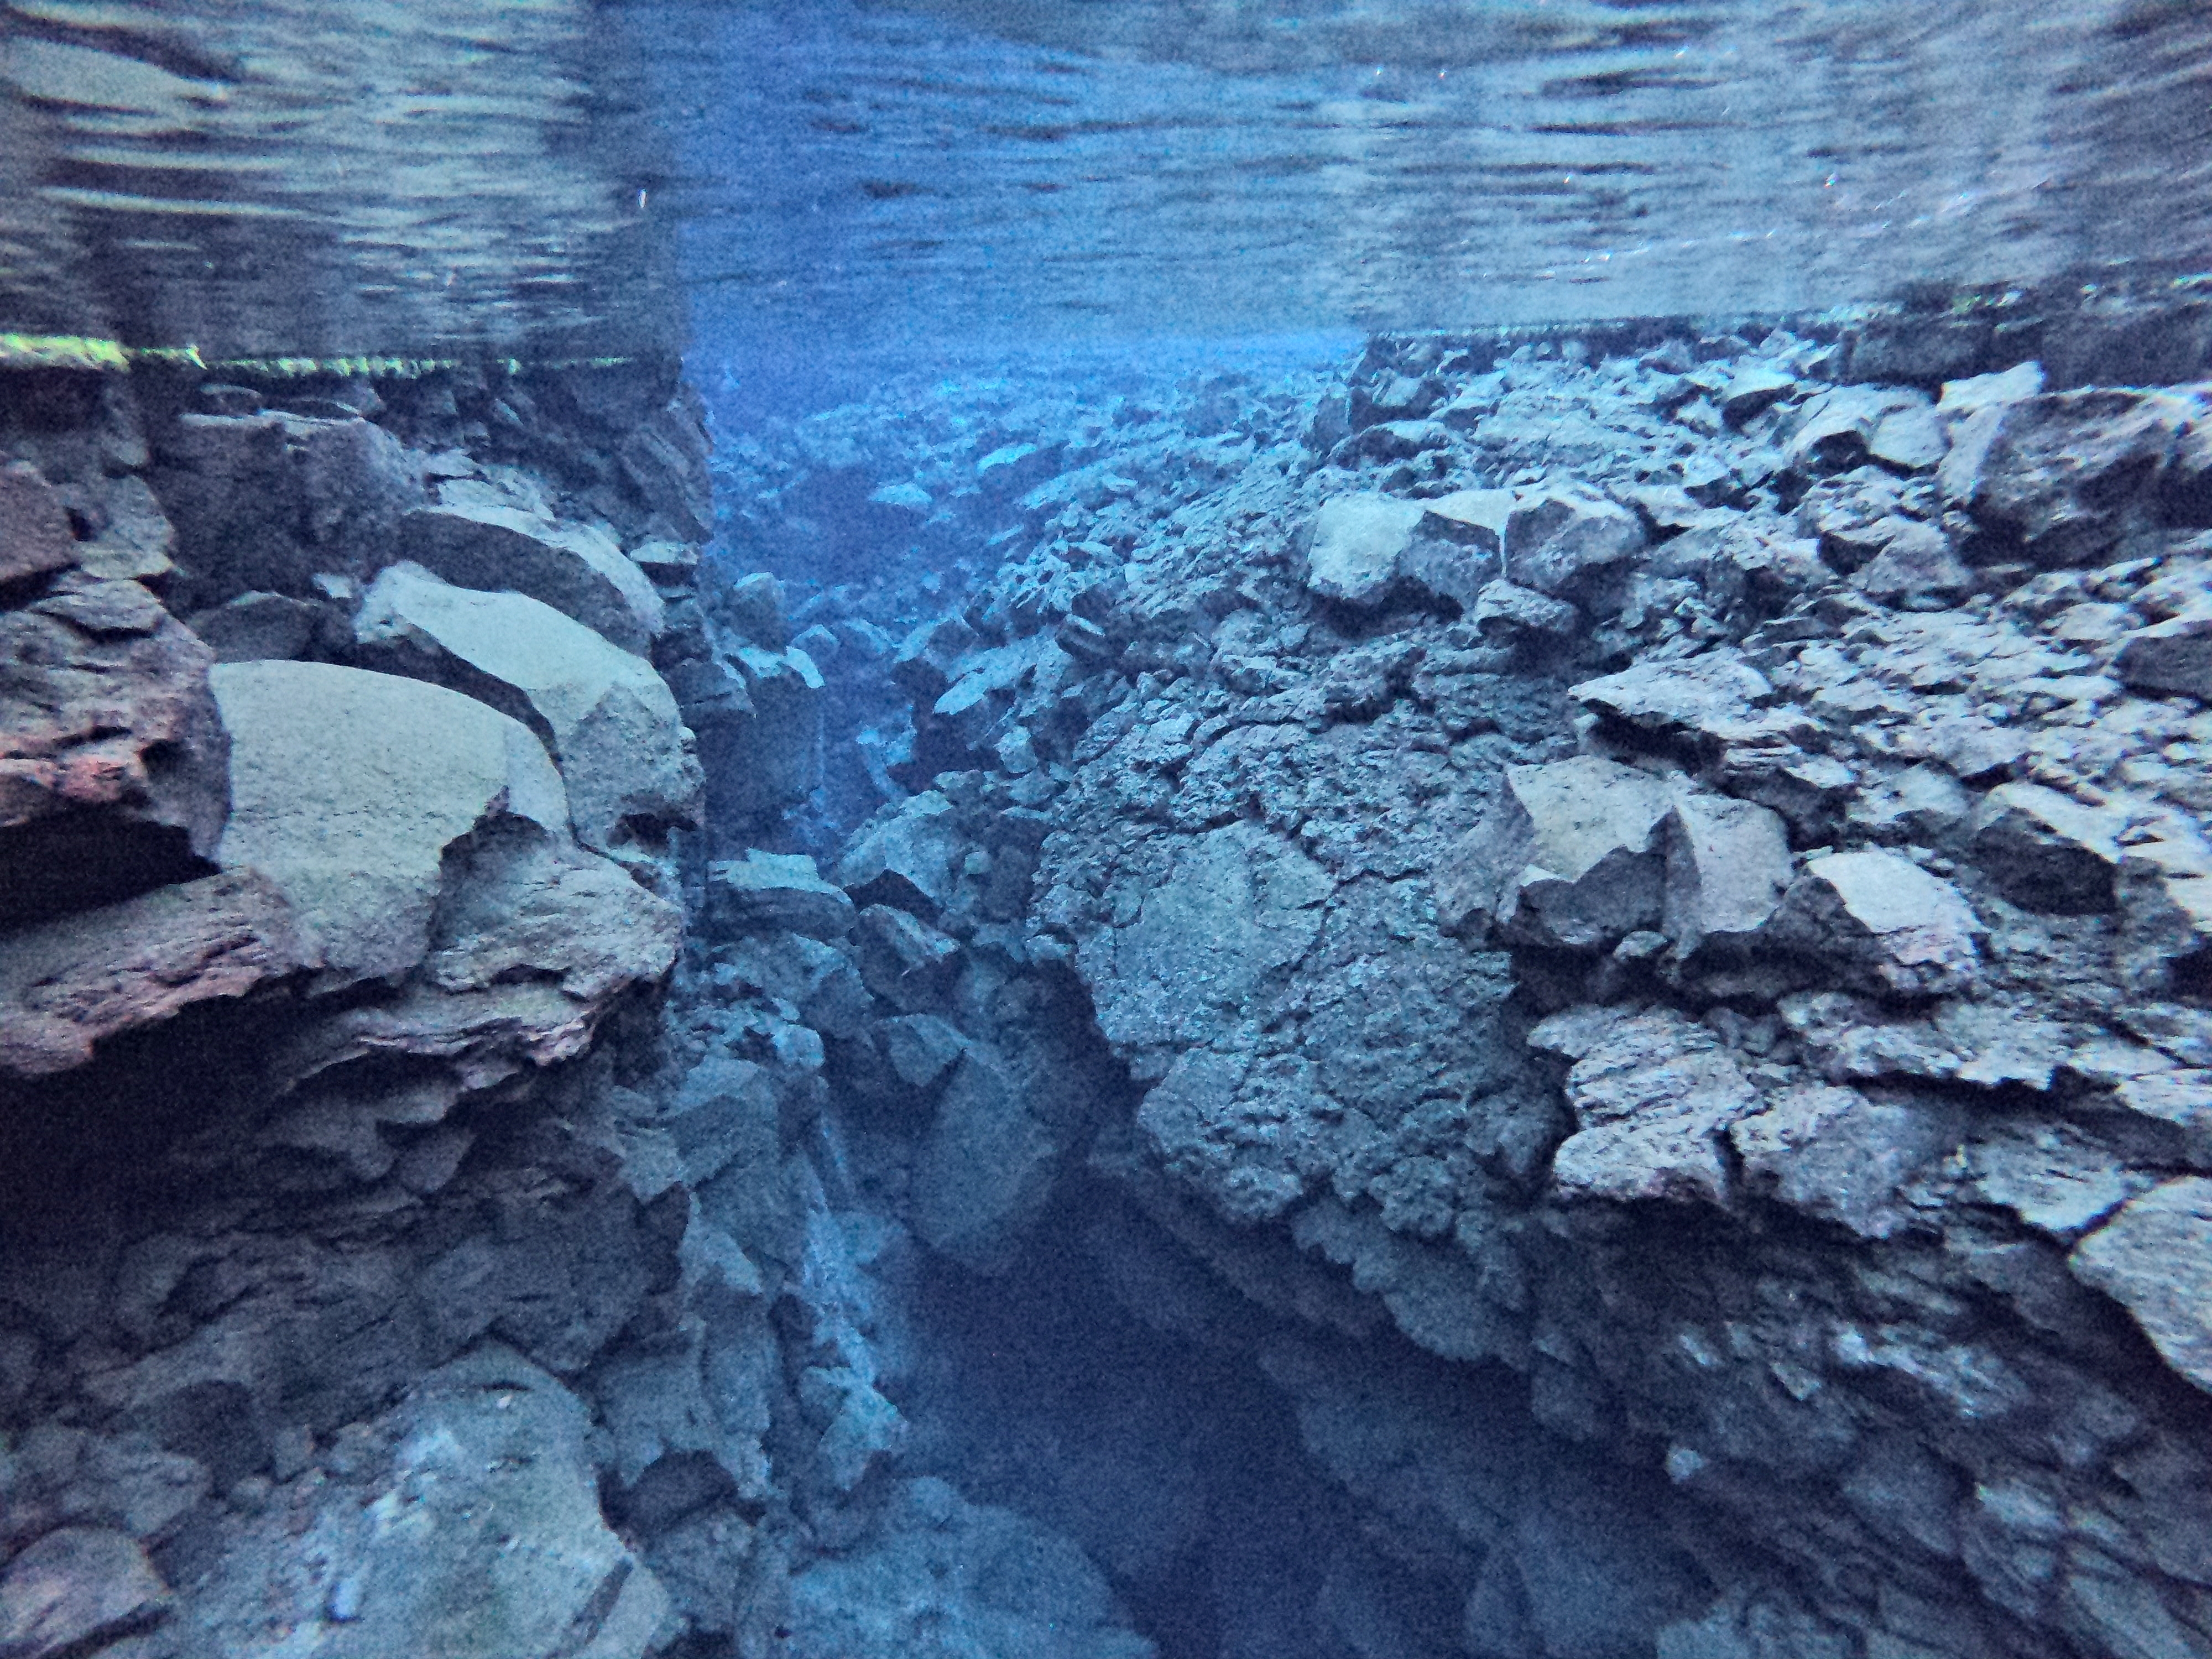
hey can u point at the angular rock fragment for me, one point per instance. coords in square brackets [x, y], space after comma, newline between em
[1832, 430]
[1915, 566]
[1882, 922]
[264, 502]
[1355, 546]
[578, 569]
[346, 788]
[2154, 1258]
[1653, 1096]
[78, 1590]
[1509, 614]
[1753, 388]
[1473, 518]
[1909, 440]
[986, 1168]
[2045, 851]
[256, 627]
[1838, 1156]
[1562, 540]
[610, 721]
[2175, 655]
[34, 530]
[2066, 475]
[905, 961]
[2164, 898]
[111, 758]
[905, 857]
[1714, 697]
[1960, 398]
[1569, 855]
[1728, 867]
[759, 734]
[771, 892]
[70, 984]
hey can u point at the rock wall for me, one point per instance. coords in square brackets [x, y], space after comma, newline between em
[1646, 915]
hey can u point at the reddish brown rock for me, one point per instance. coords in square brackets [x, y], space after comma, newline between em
[76, 1591]
[67, 985]
[112, 762]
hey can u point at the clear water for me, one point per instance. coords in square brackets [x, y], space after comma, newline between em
[290, 176]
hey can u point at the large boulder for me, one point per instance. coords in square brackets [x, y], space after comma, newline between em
[1563, 540]
[577, 569]
[1728, 867]
[76, 1591]
[34, 528]
[1882, 922]
[70, 983]
[2066, 475]
[905, 856]
[410, 827]
[1653, 1098]
[111, 755]
[2045, 851]
[986, 1168]
[1356, 545]
[346, 788]
[2174, 655]
[760, 735]
[611, 721]
[776, 892]
[266, 502]
[479, 1535]
[1570, 854]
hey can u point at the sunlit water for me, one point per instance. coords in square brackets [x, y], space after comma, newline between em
[283, 176]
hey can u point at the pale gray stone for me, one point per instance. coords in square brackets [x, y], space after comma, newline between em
[1884, 922]
[1355, 545]
[611, 721]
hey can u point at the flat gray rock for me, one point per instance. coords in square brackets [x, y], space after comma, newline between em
[577, 569]
[1356, 543]
[1728, 867]
[1882, 921]
[75, 1591]
[1571, 855]
[1561, 538]
[611, 721]
[773, 892]
[2045, 851]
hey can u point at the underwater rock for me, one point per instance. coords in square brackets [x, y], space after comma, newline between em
[1571, 856]
[71, 983]
[2045, 851]
[76, 1591]
[1882, 922]
[111, 758]
[2065, 476]
[35, 537]
[769, 892]
[610, 721]
[2154, 1257]
[1356, 543]
[264, 502]
[1652, 1096]
[1562, 540]
[577, 569]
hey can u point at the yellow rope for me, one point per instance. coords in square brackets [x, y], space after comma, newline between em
[78, 351]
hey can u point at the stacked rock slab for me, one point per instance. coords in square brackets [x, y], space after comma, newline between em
[290, 942]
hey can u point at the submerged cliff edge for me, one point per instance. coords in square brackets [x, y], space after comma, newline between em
[1542, 998]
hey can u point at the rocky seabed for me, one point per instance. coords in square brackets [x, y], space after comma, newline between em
[1539, 999]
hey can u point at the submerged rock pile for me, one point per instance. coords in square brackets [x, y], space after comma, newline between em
[1684, 875]
[1545, 1001]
